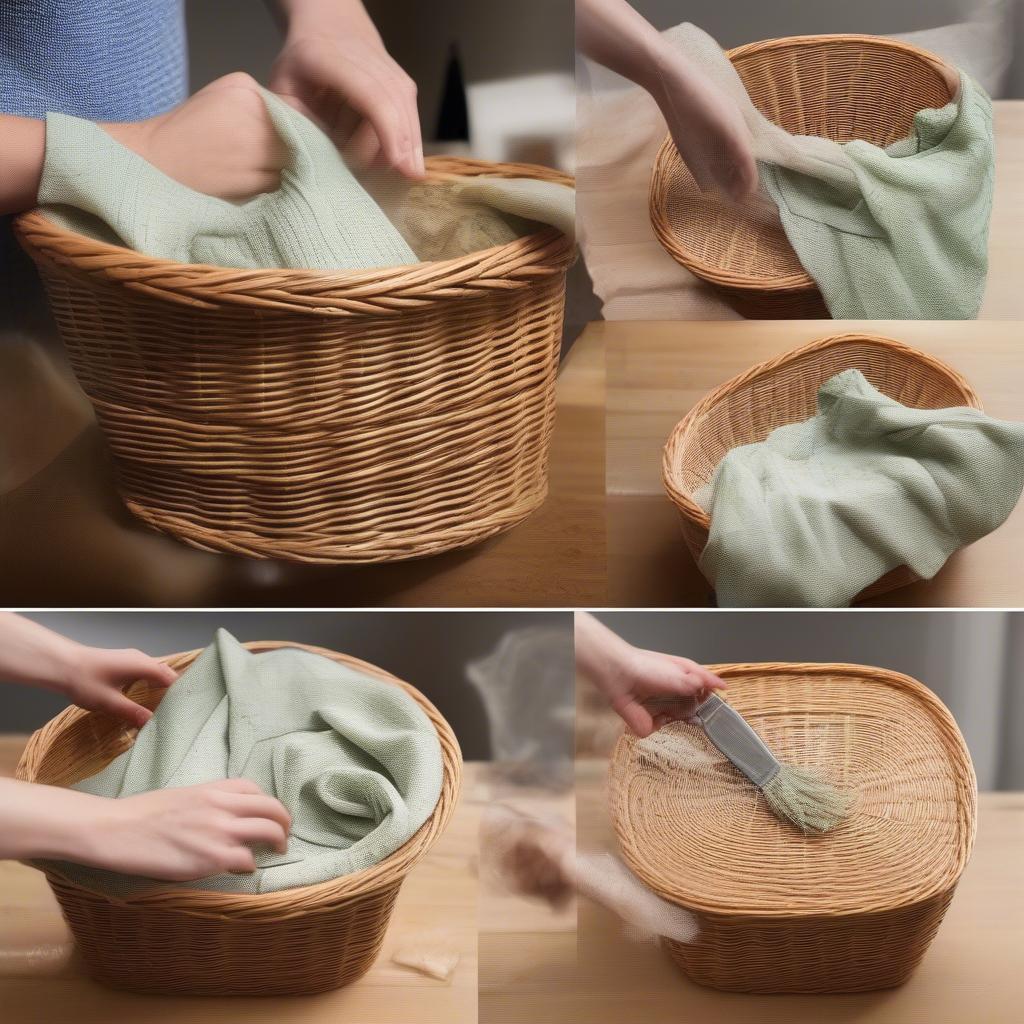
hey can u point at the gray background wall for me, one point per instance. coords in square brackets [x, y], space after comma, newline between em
[743, 21]
[431, 650]
[973, 661]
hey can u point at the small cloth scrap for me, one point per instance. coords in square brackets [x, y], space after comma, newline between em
[354, 758]
[821, 509]
[898, 233]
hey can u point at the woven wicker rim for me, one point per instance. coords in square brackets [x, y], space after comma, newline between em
[380, 291]
[674, 446]
[285, 903]
[788, 284]
[962, 771]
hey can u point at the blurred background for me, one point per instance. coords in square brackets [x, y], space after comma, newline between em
[985, 36]
[973, 661]
[503, 680]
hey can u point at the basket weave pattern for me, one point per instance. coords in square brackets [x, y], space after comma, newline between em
[852, 910]
[322, 417]
[841, 87]
[181, 941]
[785, 390]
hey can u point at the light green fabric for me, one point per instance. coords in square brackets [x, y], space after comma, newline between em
[354, 759]
[320, 218]
[910, 240]
[821, 509]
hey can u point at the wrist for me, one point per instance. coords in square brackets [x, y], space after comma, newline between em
[306, 19]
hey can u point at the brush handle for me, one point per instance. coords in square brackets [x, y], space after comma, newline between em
[729, 731]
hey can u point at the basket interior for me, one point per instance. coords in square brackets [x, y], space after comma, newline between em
[841, 88]
[704, 838]
[787, 393]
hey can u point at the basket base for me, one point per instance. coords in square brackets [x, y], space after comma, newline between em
[324, 552]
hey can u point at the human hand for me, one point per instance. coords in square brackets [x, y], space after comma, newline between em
[95, 678]
[649, 689]
[706, 126]
[220, 141]
[183, 834]
[646, 689]
[334, 69]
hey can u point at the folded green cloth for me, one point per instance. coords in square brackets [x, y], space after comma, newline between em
[355, 760]
[320, 218]
[908, 241]
[821, 509]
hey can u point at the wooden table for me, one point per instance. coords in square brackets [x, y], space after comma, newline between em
[972, 971]
[1004, 297]
[66, 540]
[656, 372]
[41, 982]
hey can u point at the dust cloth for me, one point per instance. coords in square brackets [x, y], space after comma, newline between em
[821, 509]
[320, 218]
[355, 760]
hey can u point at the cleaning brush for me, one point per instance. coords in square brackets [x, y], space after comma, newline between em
[793, 794]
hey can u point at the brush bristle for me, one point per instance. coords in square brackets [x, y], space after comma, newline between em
[806, 800]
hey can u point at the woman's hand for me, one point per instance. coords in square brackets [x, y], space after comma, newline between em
[646, 689]
[220, 141]
[333, 68]
[174, 835]
[182, 834]
[91, 677]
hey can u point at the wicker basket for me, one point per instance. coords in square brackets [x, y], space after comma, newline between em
[785, 390]
[319, 417]
[841, 87]
[181, 941]
[849, 911]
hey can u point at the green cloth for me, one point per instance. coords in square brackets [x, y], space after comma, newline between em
[320, 218]
[355, 760]
[821, 509]
[909, 240]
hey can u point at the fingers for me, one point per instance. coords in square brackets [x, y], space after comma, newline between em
[258, 805]
[132, 665]
[260, 831]
[634, 714]
[707, 679]
[239, 860]
[115, 703]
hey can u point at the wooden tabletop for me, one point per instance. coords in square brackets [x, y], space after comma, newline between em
[41, 981]
[66, 540]
[1004, 297]
[657, 371]
[972, 971]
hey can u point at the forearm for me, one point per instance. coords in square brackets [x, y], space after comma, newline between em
[22, 150]
[47, 822]
[34, 655]
[297, 17]
[612, 33]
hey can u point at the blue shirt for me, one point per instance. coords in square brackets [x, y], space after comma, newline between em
[105, 60]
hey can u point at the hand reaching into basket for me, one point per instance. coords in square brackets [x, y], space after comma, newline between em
[704, 123]
[174, 835]
[335, 70]
[91, 677]
[646, 689]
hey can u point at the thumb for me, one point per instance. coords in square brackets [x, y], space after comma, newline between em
[116, 704]
[634, 714]
[138, 666]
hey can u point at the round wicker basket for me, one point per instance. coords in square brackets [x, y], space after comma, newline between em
[841, 87]
[848, 911]
[319, 417]
[785, 390]
[182, 941]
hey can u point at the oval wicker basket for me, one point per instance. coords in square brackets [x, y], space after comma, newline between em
[319, 417]
[841, 87]
[785, 390]
[849, 911]
[181, 941]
